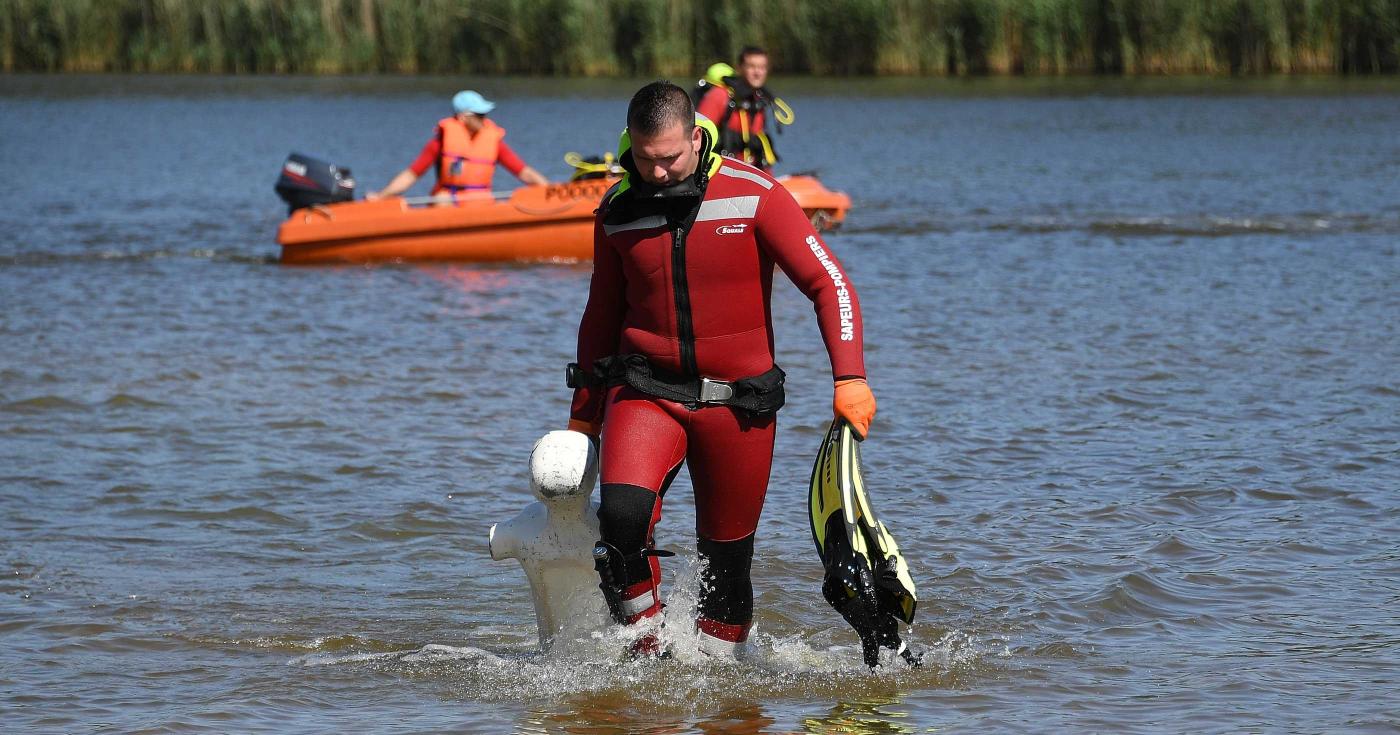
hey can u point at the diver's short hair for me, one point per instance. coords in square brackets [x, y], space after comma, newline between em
[748, 51]
[659, 105]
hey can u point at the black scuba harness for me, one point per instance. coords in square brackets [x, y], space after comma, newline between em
[757, 394]
[746, 98]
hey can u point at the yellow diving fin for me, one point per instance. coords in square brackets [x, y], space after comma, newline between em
[867, 580]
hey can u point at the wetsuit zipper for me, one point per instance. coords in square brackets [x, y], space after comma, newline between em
[684, 326]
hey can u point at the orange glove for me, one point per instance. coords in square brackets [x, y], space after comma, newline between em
[855, 403]
[583, 427]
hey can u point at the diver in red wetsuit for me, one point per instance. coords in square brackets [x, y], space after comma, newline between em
[744, 109]
[675, 355]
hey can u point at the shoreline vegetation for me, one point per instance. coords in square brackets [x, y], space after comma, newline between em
[605, 38]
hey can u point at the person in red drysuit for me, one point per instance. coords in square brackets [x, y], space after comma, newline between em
[741, 107]
[465, 149]
[675, 355]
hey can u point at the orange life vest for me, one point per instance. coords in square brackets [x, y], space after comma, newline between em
[467, 162]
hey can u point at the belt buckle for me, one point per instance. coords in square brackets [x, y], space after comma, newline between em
[715, 391]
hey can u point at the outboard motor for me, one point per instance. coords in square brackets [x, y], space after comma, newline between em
[306, 181]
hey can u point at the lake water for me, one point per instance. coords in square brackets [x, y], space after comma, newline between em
[1135, 347]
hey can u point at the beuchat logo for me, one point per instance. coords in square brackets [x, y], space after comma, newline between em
[731, 229]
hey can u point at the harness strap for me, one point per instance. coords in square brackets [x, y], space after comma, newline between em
[611, 565]
[758, 394]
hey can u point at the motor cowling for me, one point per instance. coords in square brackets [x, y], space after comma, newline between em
[307, 181]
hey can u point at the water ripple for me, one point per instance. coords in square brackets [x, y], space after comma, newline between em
[1137, 431]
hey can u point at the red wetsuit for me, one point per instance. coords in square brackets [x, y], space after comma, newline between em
[741, 122]
[714, 105]
[694, 298]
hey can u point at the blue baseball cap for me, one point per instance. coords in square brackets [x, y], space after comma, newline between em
[469, 100]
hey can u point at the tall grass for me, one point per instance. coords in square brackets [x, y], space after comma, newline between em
[678, 37]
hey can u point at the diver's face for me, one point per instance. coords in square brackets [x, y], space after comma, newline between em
[667, 157]
[754, 67]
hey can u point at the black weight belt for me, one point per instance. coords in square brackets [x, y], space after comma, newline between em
[759, 394]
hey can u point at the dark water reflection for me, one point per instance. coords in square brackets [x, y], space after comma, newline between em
[1139, 419]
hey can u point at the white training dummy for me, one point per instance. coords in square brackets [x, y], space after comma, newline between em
[553, 539]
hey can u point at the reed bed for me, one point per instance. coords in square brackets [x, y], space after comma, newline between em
[679, 37]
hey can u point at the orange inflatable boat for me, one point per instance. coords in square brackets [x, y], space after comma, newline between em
[532, 223]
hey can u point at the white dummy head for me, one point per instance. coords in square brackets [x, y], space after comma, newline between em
[563, 464]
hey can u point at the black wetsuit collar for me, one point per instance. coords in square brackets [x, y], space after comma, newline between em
[690, 187]
[679, 203]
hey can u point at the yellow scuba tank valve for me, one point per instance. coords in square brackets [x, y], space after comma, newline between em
[782, 112]
[593, 167]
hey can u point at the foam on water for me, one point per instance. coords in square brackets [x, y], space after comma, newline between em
[784, 668]
[596, 662]
[1137, 432]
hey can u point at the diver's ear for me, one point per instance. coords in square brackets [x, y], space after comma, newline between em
[697, 138]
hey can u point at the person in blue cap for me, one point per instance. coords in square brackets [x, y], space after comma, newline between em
[465, 149]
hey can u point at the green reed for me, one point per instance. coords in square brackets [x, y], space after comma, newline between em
[679, 37]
